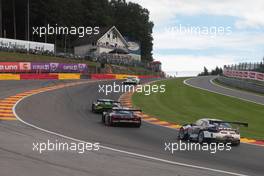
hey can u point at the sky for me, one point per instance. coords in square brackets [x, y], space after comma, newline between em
[191, 34]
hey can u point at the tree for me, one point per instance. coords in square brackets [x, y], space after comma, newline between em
[1, 23]
[131, 19]
[14, 18]
[205, 71]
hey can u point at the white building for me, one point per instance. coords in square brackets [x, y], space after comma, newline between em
[108, 41]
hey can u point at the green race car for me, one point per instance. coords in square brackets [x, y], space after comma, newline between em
[102, 105]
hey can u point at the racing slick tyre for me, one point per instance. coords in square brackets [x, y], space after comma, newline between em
[103, 118]
[182, 135]
[200, 138]
[93, 108]
[236, 143]
[108, 121]
[138, 125]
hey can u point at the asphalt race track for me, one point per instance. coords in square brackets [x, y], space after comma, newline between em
[67, 111]
[204, 82]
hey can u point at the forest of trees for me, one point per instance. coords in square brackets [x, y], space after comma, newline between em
[130, 18]
[216, 71]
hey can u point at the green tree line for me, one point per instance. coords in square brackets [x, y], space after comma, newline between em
[131, 19]
[216, 71]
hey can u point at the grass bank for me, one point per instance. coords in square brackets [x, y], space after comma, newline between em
[183, 104]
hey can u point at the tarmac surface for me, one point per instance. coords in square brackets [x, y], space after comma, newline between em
[67, 111]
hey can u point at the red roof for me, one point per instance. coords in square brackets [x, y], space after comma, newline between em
[156, 62]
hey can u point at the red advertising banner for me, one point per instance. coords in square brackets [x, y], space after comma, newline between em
[244, 74]
[260, 76]
[32, 67]
[24, 66]
[8, 67]
[252, 75]
[103, 76]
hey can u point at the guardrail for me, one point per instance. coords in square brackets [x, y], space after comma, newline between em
[241, 84]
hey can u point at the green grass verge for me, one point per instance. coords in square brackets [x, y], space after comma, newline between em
[183, 104]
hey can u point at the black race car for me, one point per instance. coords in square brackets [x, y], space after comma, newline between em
[121, 115]
[102, 105]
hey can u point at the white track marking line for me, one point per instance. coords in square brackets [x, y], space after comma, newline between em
[188, 84]
[117, 150]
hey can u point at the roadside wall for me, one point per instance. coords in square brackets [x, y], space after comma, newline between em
[67, 76]
[242, 84]
[244, 74]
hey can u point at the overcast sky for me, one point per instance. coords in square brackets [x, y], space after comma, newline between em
[242, 39]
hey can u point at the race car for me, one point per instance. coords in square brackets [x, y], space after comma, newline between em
[131, 80]
[102, 105]
[211, 130]
[121, 115]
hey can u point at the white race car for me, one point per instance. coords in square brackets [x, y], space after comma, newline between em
[132, 81]
[207, 130]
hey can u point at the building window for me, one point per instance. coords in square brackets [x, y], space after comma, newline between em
[114, 36]
[108, 36]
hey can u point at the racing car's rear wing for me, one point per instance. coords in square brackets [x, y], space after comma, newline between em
[236, 123]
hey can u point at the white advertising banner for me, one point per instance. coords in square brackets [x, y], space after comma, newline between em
[22, 44]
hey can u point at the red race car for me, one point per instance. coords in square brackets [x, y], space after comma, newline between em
[122, 115]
